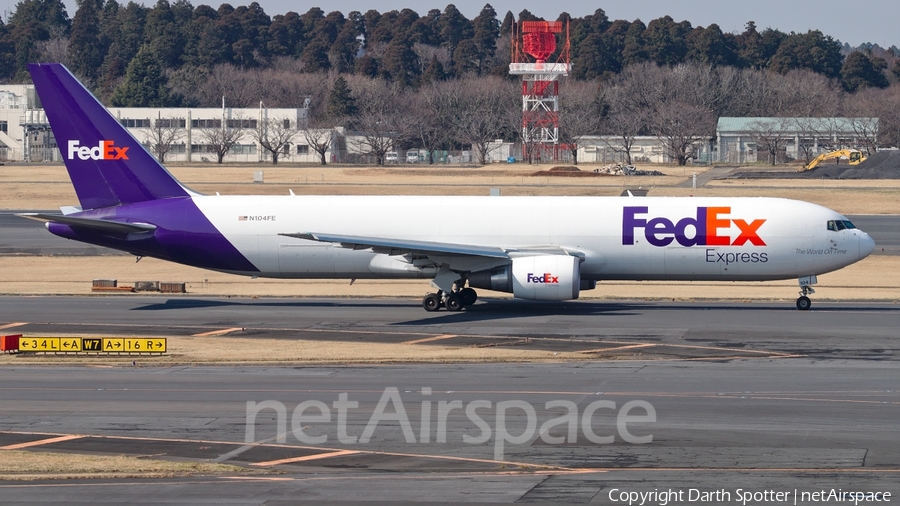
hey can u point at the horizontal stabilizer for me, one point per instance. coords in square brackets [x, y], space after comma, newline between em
[402, 246]
[92, 223]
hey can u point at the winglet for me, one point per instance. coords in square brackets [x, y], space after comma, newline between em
[107, 165]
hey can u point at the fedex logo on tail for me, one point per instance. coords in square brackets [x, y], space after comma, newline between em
[544, 278]
[103, 151]
[710, 227]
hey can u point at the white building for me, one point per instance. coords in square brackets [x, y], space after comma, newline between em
[605, 149]
[25, 134]
[16, 102]
[192, 131]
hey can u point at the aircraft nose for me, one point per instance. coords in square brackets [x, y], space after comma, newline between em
[866, 245]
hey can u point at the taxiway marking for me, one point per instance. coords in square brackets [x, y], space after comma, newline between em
[40, 442]
[220, 332]
[326, 455]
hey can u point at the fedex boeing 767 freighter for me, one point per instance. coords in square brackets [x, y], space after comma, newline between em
[537, 248]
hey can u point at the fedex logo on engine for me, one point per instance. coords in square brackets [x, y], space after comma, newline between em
[103, 151]
[543, 278]
[710, 227]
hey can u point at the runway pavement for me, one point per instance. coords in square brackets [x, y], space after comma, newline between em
[19, 235]
[824, 419]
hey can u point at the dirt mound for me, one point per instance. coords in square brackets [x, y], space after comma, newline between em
[566, 171]
[616, 169]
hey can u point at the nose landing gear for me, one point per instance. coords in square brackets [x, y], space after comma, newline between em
[806, 282]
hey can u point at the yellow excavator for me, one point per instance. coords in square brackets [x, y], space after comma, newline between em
[854, 155]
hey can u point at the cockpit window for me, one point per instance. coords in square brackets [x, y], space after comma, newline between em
[835, 225]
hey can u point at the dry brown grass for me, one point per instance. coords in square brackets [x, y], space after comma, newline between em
[28, 465]
[48, 186]
[305, 349]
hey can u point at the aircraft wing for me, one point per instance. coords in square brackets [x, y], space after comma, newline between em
[403, 246]
[91, 223]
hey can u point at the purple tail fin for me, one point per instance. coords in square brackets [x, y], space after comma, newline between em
[108, 166]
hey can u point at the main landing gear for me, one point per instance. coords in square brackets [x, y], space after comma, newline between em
[806, 282]
[453, 301]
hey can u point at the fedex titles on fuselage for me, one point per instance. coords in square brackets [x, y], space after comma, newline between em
[710, 227]
[106, 150]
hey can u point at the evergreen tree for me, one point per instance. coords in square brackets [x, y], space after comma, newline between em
[400, 63]
[453, 28]
[486, 30]
[506, 27]
[7, 53]
[127, 39]
[466, 58]
[711, 46]
[863, 71]
[598, 21]
[526, 15]
[341, 103]
[424, 30]
[366, 66]
[145, 84]
[34, 21]
[343, 51]
[434, 72]
[87, 49]
[665, 42]
[634, 50]
[812, 50]
[315, 56]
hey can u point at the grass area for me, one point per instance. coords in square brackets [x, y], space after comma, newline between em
[48, 186]
[35, 465]
[305, 349]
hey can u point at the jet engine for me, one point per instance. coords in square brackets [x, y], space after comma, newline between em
[540, 277]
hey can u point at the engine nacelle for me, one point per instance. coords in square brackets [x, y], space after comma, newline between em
[542, 277]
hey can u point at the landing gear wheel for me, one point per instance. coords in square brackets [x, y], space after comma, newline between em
[454, 302]
[468, 296]
[431, 302]
[803, 303]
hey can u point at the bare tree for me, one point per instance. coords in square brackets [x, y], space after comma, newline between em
[769, 136]
[427, 125]
[320, 139]
[383, 121]
[863, 110]
[56, 48]
[682, 127]
[275, 137]
[580, 113]
[221, 138]
[626, 118]
[680, 104]
[483, 105]
[163, 134]
[883, 104]
[814, 134]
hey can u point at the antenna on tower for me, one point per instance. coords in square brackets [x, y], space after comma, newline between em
[533, 44]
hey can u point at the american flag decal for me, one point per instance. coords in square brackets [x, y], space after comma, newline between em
[242, 218]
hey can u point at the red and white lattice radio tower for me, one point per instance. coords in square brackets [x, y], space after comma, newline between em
[533, 43]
